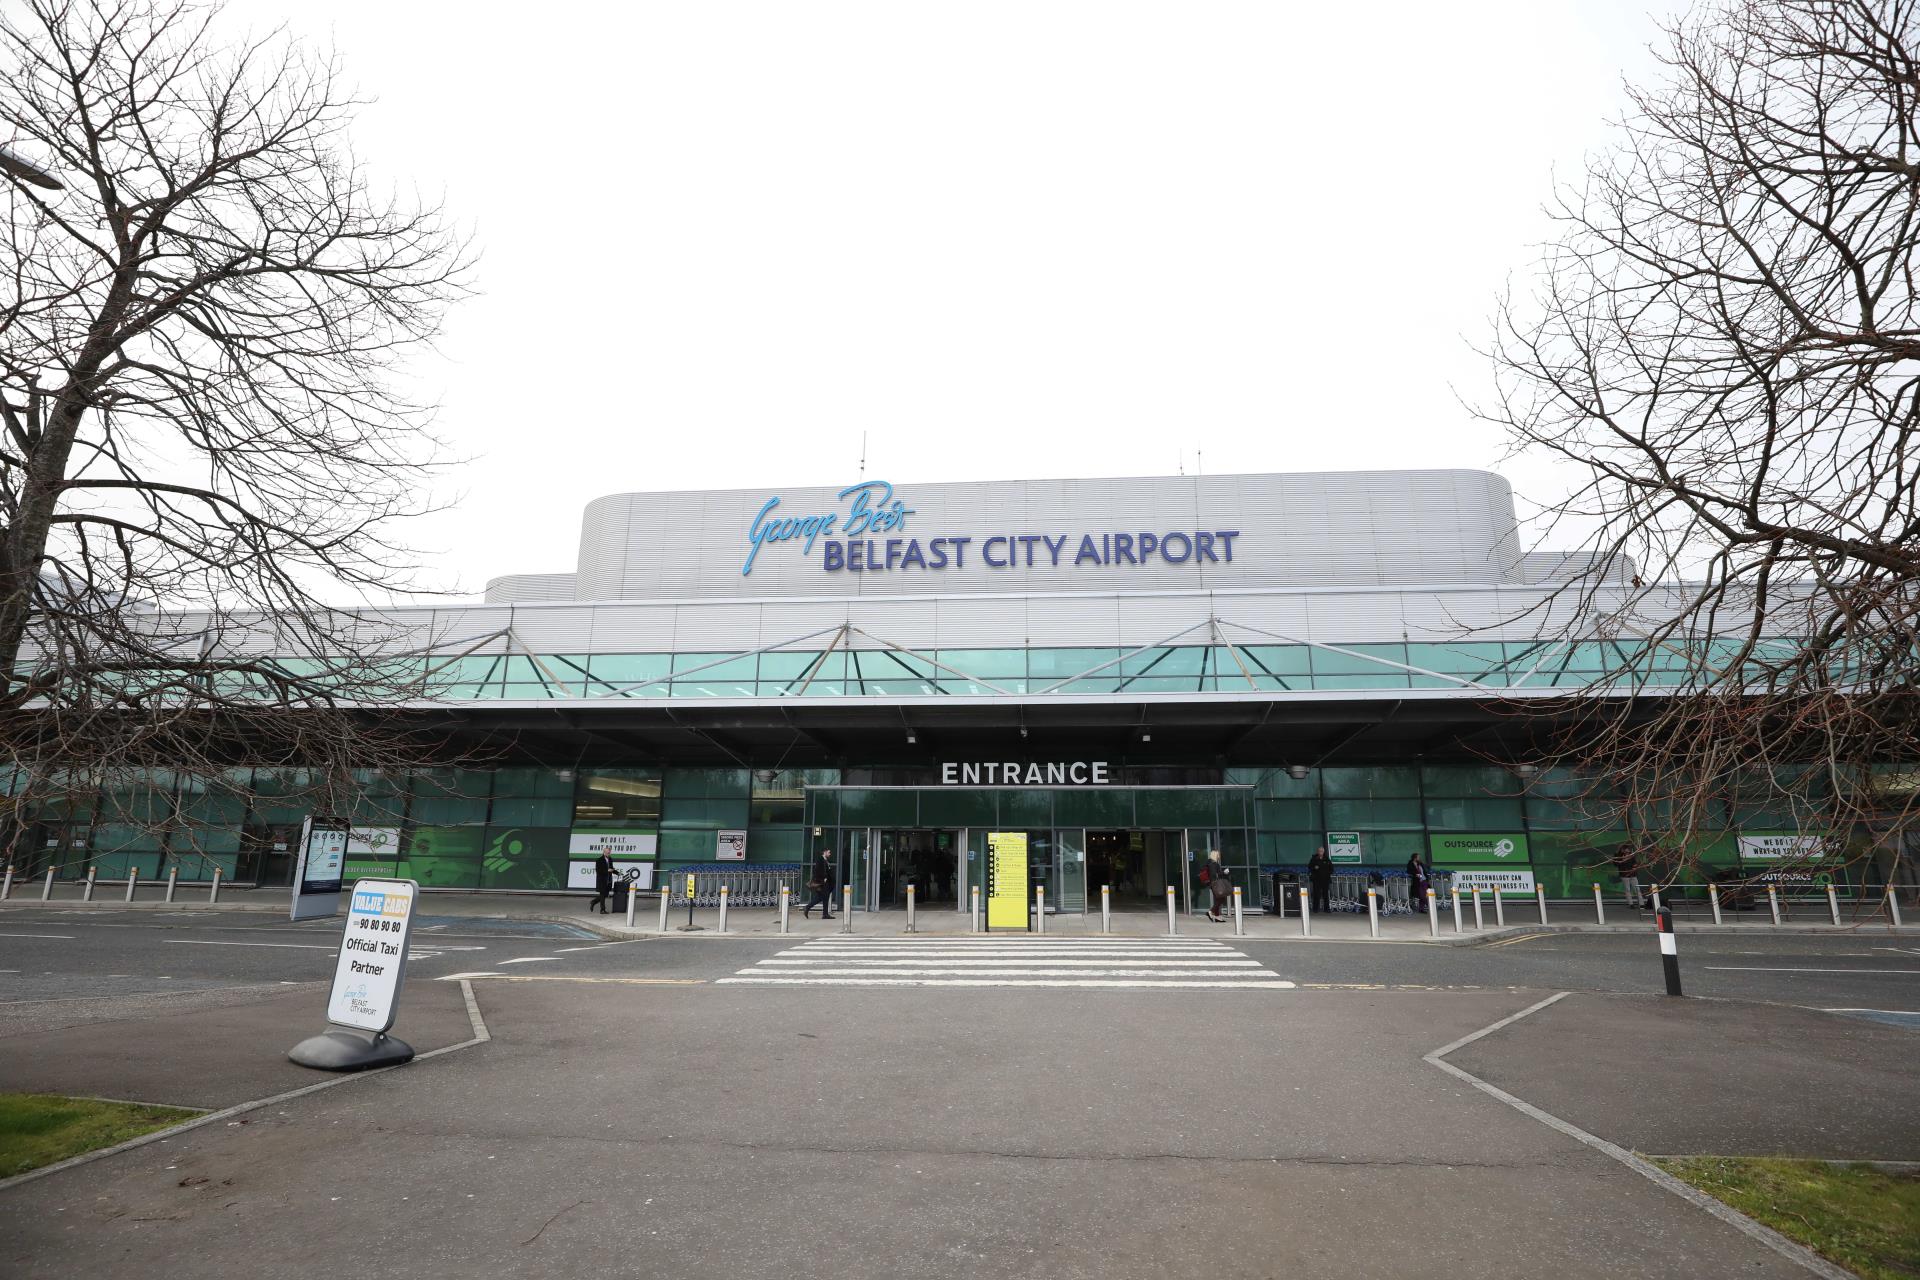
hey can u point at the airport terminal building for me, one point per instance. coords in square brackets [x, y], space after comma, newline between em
[1129, 671]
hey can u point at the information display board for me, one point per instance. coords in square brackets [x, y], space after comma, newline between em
[318, 869]
[1343, 846]
[1007, 880]
[373, 955]
[730, 846]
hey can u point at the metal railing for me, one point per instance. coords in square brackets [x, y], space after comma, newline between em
[755, 884]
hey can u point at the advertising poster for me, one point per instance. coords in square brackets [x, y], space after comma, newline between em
[1781, 847]
[325, 862]
[1508, 884]
[1007, 880]
[1463, 850]
[586, 842]
[373, 955]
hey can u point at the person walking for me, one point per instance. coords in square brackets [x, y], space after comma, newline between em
[1320, 880]
[820, 888]
[602, 882]
[1626, 864]
[1218, 879]
[1418, 881]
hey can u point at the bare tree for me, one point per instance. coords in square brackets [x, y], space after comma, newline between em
[204, 307]
[1724, 348]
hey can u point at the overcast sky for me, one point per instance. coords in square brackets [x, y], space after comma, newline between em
[720, 241]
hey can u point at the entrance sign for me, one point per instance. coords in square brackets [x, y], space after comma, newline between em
[1013, 773]
[731, 846]
[1343, 846]
[317, 872]
[1006, 880]
[366, 982]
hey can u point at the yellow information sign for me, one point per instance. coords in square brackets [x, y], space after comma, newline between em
[689, 886]
[1007, 880]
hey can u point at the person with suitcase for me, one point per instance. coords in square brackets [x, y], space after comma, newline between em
[602, 882]
[820, 888]
[1216, 878]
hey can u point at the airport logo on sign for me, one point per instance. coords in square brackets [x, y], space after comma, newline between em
[853, 540]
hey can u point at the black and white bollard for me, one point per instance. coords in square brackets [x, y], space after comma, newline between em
[1669, 949]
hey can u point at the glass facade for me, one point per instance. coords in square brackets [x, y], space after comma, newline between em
[523, 828]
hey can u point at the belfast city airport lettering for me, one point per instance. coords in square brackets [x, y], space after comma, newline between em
[870, 536]
[1012, 773]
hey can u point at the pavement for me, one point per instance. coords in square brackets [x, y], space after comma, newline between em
[647, 1105]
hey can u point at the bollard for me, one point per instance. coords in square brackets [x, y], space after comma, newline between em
[1457, 926]
[1039, 908]
[1479, 919]
[133, 878]
[666, 901]
[46, 890]
[213, 894]
[86, 894]
[633, 900]
[1833, 905]
[1373, 912]
[846, 908]
[1656, 898]
[1306, 915]
[1171, 929]
[1599, 907]
[6, 886]
[173, 881]
[1499, 907]
[1669, 949]
[1893, 905]
[1433, 915]
[1540, 892]
[1106, 908]
[1773, 902]
[786, 906]
[975, 913]
[1713, 898]
[909, 908]
[1239, 927]
[723, 907]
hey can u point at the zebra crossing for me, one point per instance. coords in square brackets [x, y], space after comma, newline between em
[1017, 960]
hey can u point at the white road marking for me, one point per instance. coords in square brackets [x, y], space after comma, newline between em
[1760, 968]
[998, 959]
[970, 971]
[64, 936]
[457, 977]
[527, 960]
[295, 946]
[1276, 984]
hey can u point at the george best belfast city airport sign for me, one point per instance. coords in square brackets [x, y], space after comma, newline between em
[868, 533]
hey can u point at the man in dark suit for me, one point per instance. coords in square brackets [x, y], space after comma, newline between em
[602, 882]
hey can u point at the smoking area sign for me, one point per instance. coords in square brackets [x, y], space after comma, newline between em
[1007, 880]
[373, 955]
[1343, 846]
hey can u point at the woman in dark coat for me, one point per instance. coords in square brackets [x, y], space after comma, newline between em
[1418, 881]
[602, 883]
[1320, 880]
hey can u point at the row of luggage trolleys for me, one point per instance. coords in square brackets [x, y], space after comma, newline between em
[1348, 891]
[756, 884]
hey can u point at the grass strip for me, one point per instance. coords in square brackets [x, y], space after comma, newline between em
[1863, 1218]
[39, 1129]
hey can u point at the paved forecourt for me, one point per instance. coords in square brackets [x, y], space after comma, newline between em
[1020, 960]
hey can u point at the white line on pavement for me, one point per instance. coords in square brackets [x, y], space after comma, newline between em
[967, 970]
[1011, 960]
[64, 936]
[526, 960]
[1761, 968]
[1277, 984]
[295, 946]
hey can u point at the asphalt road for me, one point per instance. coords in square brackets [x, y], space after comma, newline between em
[703, 1106]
